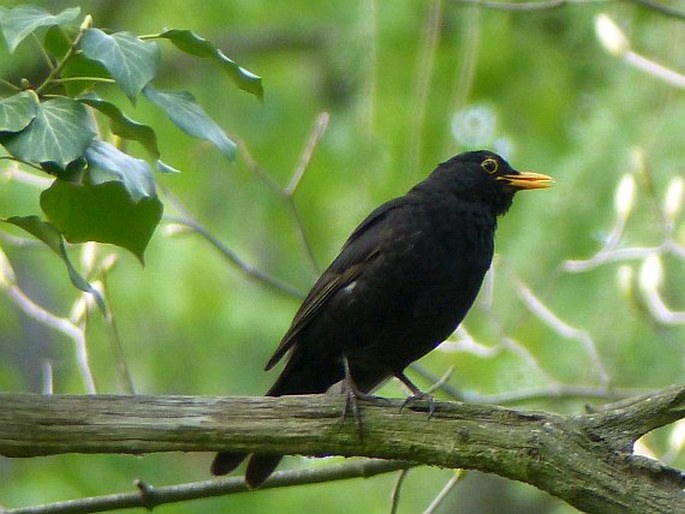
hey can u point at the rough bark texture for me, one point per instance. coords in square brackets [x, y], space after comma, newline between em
[583, 459]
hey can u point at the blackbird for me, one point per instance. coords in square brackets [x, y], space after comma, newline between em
[402, 283]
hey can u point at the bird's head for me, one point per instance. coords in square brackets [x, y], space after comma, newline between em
[484, 177]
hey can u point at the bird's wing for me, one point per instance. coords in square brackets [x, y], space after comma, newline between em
[361, 247]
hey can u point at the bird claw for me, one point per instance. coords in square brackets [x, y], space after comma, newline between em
[422, 397]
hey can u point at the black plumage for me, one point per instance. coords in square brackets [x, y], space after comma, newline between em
[402, 283]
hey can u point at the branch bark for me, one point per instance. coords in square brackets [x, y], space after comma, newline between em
[583, 459]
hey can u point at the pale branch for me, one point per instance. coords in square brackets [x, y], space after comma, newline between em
[149, 496]
[583, 459]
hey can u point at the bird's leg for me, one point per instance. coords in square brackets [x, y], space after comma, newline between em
[416, 393]
[353, 394]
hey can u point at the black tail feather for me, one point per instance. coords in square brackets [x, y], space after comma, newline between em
[259, 468]
[225, 462]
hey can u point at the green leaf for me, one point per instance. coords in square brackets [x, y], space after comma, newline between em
[72, 173]
[191, 43]
[19, 22]
[60, 133]
[185, 112]
[17, 111]
[131, 61]
[106, 163]
[102, 212]
[84, 69]
[47, 233]
[56, 41]
[124, 126]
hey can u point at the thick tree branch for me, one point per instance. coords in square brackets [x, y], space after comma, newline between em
[583, 459]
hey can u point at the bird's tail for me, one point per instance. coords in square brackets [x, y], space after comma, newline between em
[298, 377]
[225, 462]
[258, 469]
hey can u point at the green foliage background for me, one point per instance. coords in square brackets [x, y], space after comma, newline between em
[192, 324]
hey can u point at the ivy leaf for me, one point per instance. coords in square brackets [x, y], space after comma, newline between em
[191, 43]
[56, 41]
[60, 134]
[124, 126]
[131, 61]
[79, 66]
[185, 112]
[49, 235]
[19, 22]
[17, 111]
[103, 212]
[106, 163]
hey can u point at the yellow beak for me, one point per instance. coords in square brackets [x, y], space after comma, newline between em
[528, 180]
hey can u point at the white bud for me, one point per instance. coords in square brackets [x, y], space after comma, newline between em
[625, 278]
[624, 199]
[611, 36]
[79, 309]
[673, 201]
[109, 262]
[677, 438]
[7, 278]
[88, 252]
[175, 229]
[651, 273]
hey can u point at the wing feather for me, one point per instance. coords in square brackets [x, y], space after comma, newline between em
[344, 270]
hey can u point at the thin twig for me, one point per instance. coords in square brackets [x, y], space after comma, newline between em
[457, 476]
[54, 72]
[561, 327]
[234, 259]
[61, 325]
[426, 62]
[319, 128]
[155, 496]
[661, 8]
[395, 492]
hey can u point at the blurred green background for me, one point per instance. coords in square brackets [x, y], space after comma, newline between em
[406, 85]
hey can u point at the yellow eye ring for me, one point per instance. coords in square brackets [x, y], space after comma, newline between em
[490, 165]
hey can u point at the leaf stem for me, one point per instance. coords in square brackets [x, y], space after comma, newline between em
[87, 22]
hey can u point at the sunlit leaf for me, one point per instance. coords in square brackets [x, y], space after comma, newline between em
[185, 112]
[124, 126]
[131, 61]
[17, 111]
[18, 22]
[189, 42]
[106, 163]
[60, 133]
[103, 212]
[48, 234]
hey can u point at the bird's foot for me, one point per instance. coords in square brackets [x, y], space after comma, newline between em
[416, 396]
[423, 397]
[352, 397]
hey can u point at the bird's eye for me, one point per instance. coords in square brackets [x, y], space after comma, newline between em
[489, 165]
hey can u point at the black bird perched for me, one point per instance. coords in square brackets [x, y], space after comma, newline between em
[401, 284]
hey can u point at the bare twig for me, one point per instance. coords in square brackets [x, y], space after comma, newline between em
[555, 323]
[319, 128]
[186, 219]
[149, 496]
[457, 476]
[396, 489]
